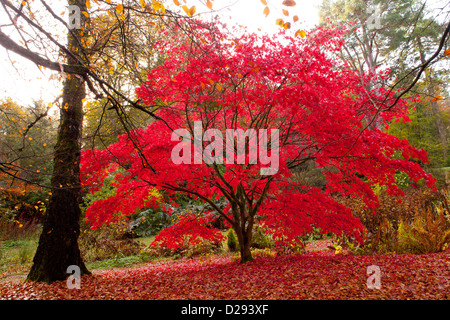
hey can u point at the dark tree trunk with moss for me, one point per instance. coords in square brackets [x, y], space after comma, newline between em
[58, 243]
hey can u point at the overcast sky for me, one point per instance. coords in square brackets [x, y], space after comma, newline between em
[23, 81]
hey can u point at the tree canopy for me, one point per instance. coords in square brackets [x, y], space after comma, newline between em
[314, 107]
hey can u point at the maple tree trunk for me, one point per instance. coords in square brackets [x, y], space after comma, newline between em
[58, 243]
[244, 246]
[244, 236]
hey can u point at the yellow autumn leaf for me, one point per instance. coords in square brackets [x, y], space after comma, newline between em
[20, 225]
[437, 98]
[209, 4]
[111, 70]
[447, 53]
[300, 33]
[295, 18]
[108, 1]
[287, 25]
[142, 2]
[119, 8]
[218, 87]
[44, 144]
[289, 3]
[186, 9]
[38, 171]
[264, 2]
[279, 22]
[156, 6]
[88, 4]
[177, 3]
[285, 12]
[85, 13]
[266, 11]
[203, 85]
[192, 11]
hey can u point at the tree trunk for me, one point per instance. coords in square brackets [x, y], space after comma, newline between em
[245, 241]
[58, 243]
[245, 246]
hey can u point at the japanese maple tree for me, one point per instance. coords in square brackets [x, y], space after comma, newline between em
[239, 114]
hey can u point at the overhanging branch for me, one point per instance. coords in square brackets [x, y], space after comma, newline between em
[10, 45]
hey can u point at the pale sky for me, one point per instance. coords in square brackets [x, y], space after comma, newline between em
[23, 81]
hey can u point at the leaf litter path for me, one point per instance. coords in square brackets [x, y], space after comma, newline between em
[314, 275]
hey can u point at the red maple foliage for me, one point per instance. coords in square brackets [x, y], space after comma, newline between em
[324, 113]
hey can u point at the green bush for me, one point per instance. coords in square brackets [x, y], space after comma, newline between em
[149, 222]
[232, 242]
[260, 239]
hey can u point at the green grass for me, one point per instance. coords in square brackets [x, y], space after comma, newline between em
[146, 240]
[119, 261]
[16, 256]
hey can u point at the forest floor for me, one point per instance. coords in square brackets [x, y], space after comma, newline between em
[316, 274]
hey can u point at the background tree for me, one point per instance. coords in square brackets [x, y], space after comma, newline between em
[26, 140]
[399, 35]
[33, 32]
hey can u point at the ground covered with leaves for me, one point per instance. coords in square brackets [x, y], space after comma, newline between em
[318, 274]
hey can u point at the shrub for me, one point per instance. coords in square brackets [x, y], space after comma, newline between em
[382, 225]
[260, 239]
[204, 247]
[149, 222]
[429, 232]
[232, 242]
[106, 242]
